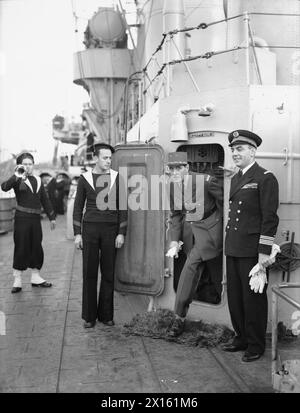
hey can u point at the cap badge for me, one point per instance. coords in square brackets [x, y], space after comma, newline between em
[235, 134]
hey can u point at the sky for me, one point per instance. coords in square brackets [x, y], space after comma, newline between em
[37, 42]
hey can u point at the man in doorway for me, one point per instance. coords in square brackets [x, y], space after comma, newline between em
[196, 201]
[250, 232]
[102, 228]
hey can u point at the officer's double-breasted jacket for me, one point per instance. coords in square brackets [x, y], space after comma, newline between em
[252, 219]
[206, 224]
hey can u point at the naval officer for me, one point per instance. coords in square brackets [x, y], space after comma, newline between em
[199, 206]
[102, 227]
[250, 231]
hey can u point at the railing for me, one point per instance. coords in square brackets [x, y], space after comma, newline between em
[249, 42]
[276, 292]
[145, 82]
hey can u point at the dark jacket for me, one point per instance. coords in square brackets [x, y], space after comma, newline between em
[253, 220]
[208, 228]
[30, 197]
[90, 197]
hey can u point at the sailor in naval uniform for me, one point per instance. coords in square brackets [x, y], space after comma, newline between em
[30, 197]
[197, 203]
[102, 227]
[250, 232]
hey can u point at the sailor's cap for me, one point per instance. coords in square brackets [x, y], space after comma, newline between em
[177, 158]
[44, 174]
[241, 136]
[22, 156]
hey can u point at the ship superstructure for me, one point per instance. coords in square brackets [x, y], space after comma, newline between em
[198, 71]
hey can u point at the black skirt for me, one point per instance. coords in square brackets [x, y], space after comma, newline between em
[28, 252]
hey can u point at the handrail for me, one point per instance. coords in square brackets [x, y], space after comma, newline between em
[246, 17]
[204, 26]
[276, 292]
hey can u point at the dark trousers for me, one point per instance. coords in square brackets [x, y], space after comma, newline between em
[28, 251]
[98, 237]
[209, 288]
[188, 281]
[248, 310]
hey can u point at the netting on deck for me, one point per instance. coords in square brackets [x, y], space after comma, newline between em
[155, 324]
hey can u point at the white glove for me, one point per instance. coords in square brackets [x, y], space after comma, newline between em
[258, 279]
[275, 250]
[175, 247]
[267, 260]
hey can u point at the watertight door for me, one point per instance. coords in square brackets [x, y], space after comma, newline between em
[140, 262]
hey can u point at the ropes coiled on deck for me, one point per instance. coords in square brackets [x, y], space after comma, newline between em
[155, 324]
[288, 259]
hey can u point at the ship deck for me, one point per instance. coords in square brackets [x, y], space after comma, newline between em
[45, 349]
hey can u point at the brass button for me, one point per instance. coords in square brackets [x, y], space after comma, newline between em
[238, 211]
[235, 229]
[240, 202]
[237, 219]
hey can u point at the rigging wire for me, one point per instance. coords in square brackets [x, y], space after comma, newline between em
[204, 26]
[187, 67]
[206, 55]
[123, 11]
[277, 47]
[82, 74]
[150, 13]
[171, 33]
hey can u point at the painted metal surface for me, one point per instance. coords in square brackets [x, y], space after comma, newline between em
[255, 89]
[107, 25]
[140, 263]
[101, 63]
[276, 30]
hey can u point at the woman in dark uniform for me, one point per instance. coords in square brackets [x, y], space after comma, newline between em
[30, 197]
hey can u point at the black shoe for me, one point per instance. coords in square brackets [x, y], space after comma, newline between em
[89, 324]
[176, 328]
[232, 348]
[15, 290]
[248, 356]
[108, 323]
[45, 284]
